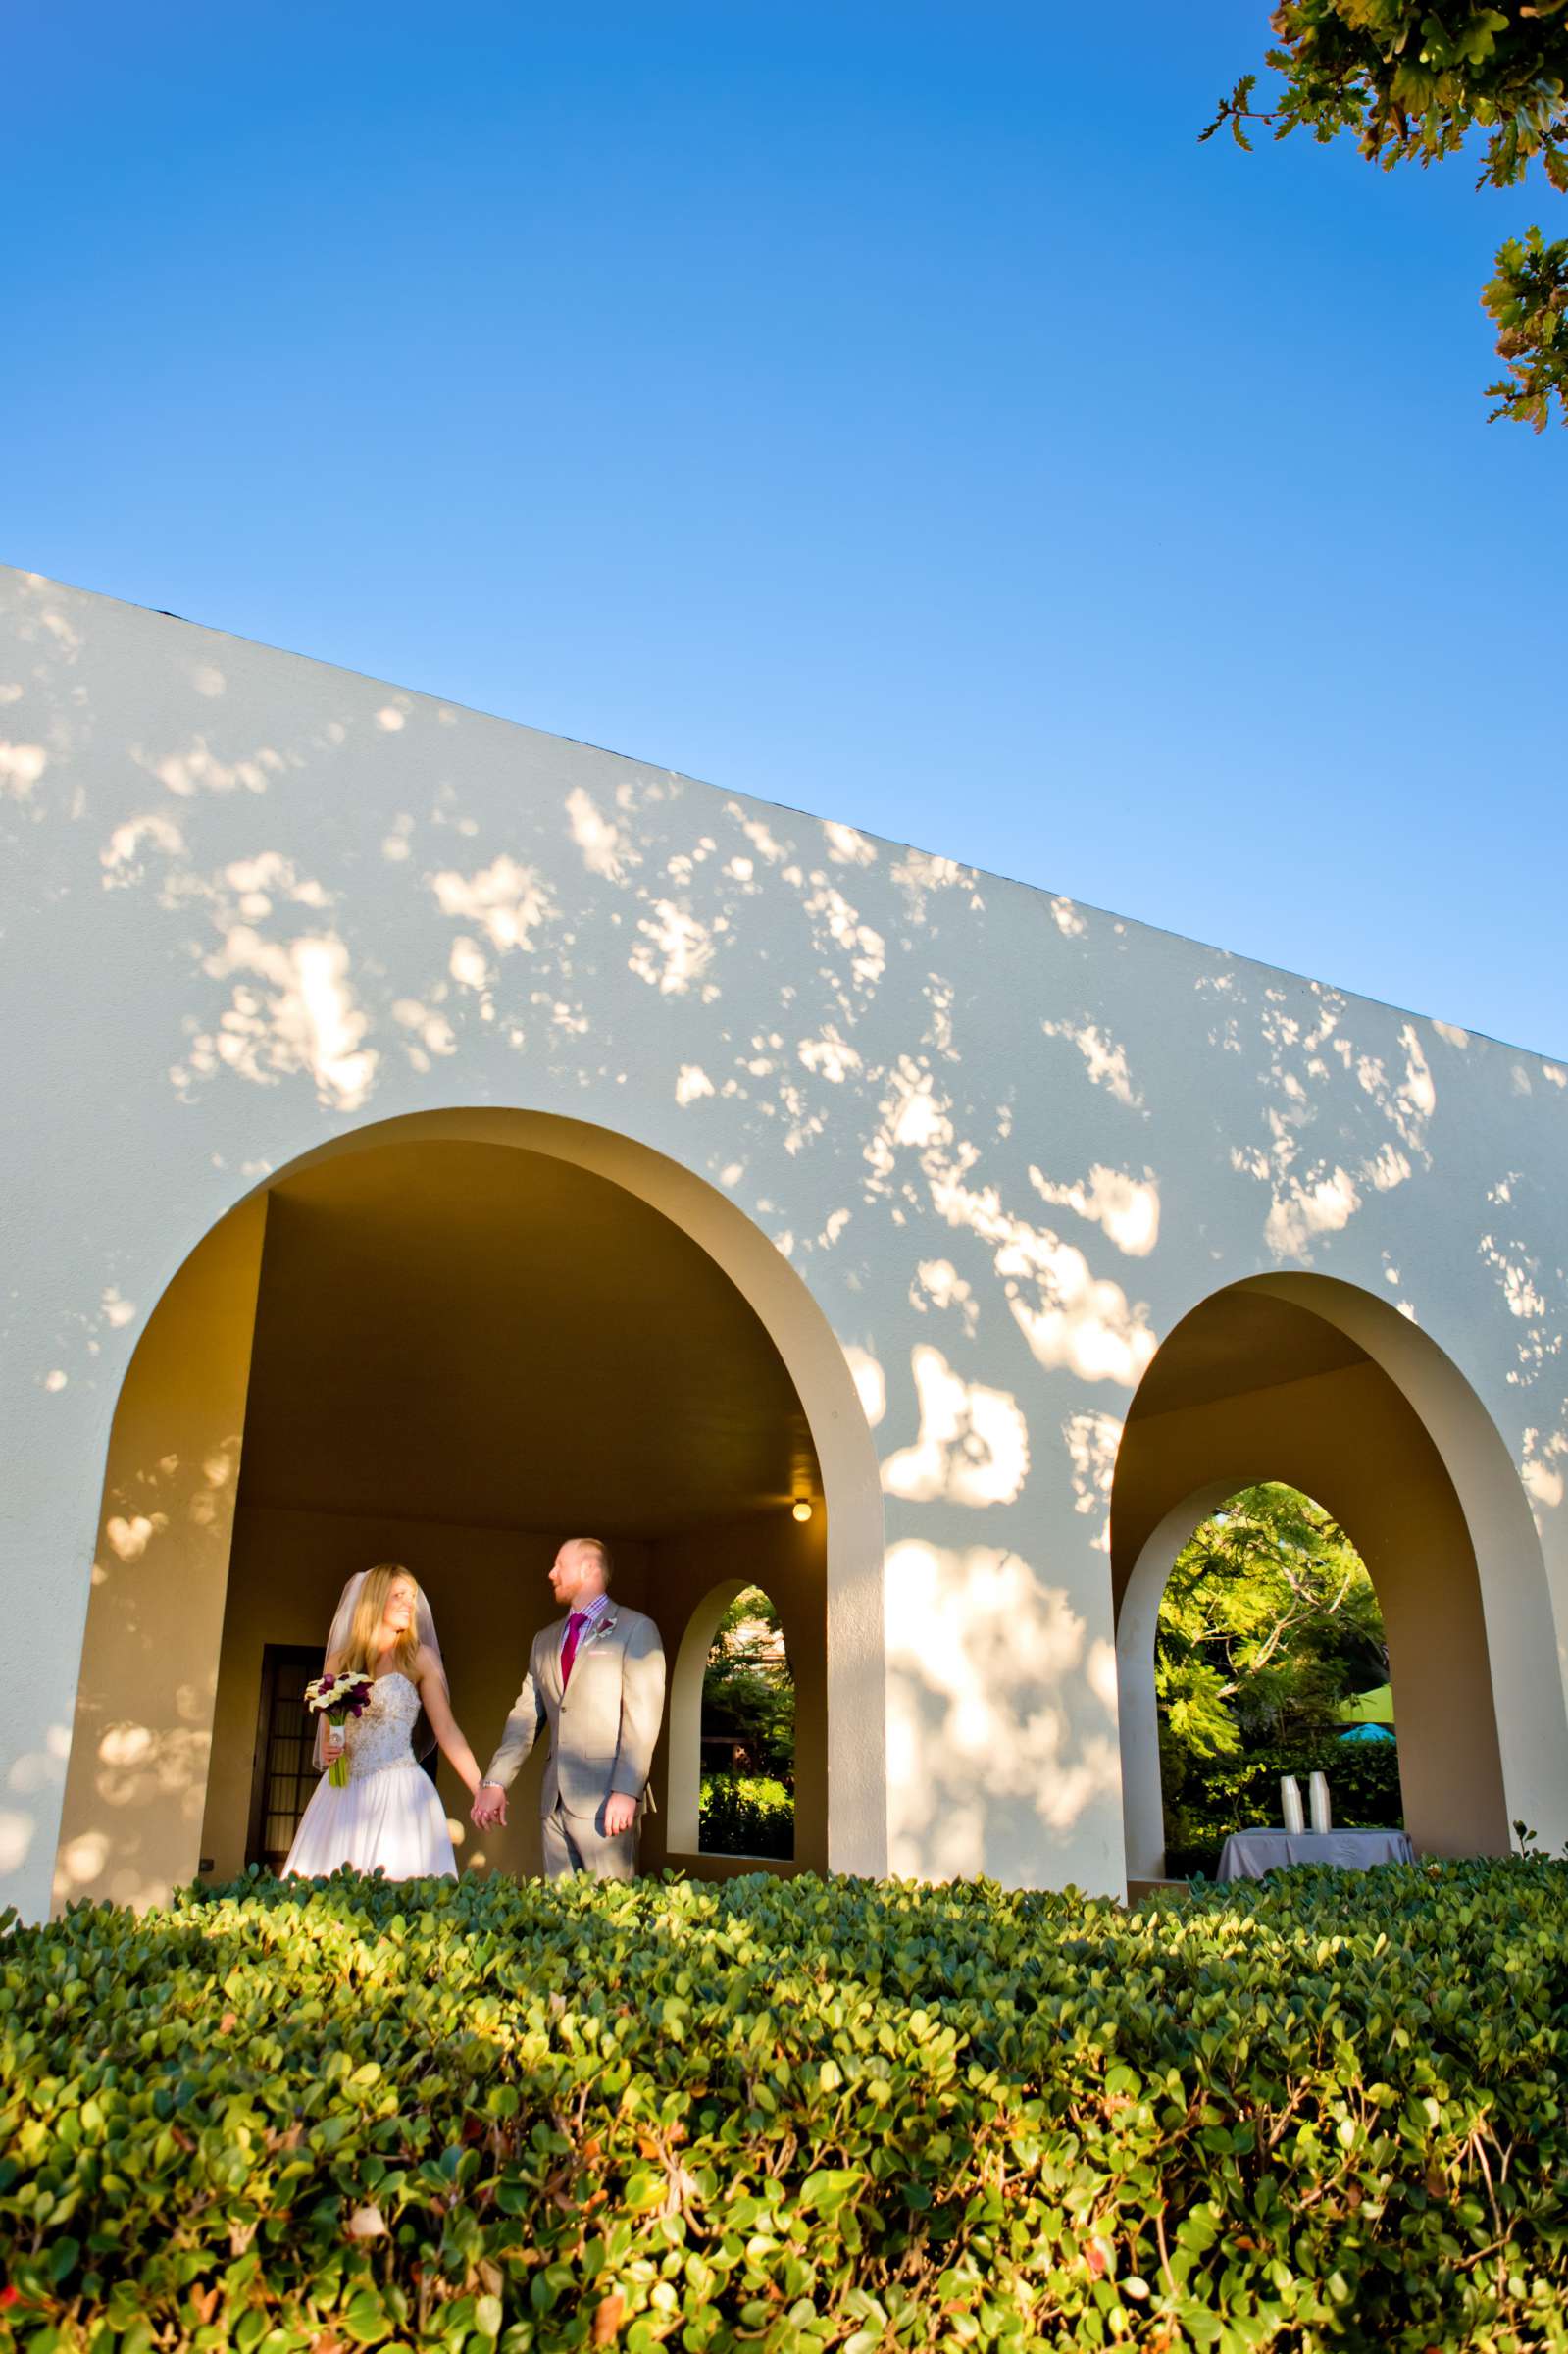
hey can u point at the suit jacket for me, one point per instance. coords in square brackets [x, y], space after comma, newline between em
[603, 1725]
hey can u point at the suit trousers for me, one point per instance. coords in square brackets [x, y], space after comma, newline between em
[577, 1843]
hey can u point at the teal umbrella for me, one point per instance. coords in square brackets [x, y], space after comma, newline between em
[1367, 1732]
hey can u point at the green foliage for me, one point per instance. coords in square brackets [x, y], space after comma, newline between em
[1207, 1799]
[1529, 299]
[749, 1687]
[1330, 2112]
[746, 1815]
[1268, 1621]
[1411, 82]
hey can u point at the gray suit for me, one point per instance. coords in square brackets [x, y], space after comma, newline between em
[603, 1727]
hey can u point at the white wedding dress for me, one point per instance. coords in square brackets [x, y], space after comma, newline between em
[389, 1816]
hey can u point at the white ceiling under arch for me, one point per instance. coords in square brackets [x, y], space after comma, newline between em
[476, 1333]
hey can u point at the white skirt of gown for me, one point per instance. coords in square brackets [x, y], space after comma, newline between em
[388, 1817]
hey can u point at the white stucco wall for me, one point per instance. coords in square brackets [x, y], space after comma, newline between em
[253, 902]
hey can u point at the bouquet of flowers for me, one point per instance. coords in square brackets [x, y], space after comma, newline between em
[338, 1698]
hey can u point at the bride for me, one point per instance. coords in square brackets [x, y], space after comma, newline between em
[388, 1816]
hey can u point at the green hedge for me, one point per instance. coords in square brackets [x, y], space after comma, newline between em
[1216, 1796]
[746, 1815]
[1328, 2112]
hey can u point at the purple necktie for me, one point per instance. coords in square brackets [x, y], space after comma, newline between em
[569, 1649]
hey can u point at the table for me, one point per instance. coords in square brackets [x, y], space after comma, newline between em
[1249, 1854]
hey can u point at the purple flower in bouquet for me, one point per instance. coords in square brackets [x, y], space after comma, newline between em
[338, 1698]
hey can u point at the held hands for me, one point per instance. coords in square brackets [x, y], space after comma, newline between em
[620, 1813]
[489, 1808]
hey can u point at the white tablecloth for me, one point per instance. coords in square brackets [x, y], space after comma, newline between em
[1249, 1854]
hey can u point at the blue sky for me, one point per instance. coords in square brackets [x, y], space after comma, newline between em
[892, 411]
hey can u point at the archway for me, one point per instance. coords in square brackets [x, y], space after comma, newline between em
[453, 1339]
[778, 1573]
[1269, 1638]
[1305, 1379]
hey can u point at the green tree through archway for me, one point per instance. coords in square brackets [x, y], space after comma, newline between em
[1268, 1632]
[748, 1733]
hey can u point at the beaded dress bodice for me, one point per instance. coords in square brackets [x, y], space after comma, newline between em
[384, 1735]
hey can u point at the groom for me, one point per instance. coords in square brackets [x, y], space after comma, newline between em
[598, 1680]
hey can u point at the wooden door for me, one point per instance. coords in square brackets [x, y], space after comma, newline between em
[284, 1773]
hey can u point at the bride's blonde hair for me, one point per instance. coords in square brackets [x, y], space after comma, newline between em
[363, 1649]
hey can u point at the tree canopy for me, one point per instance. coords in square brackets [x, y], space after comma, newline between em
[1268, 1622]
[749, 1687]
[1411, 81]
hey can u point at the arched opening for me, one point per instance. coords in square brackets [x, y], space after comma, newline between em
[747, 1741]
[717, 1806]
[1271, 1658]
[451, 1342]
[1305, 1379]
